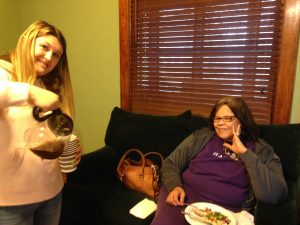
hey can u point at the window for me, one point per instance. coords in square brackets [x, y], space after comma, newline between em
[179, 55]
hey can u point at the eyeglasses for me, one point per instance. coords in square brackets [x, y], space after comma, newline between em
[224, 118]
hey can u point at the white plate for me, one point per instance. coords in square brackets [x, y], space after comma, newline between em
[213, 207]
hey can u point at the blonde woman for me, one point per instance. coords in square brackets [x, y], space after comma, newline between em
[36, 73]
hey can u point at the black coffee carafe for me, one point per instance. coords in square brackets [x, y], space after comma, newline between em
[50, 135]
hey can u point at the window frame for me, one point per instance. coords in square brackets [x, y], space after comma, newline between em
[287, 60]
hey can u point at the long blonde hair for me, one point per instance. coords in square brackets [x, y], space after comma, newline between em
[23, 65]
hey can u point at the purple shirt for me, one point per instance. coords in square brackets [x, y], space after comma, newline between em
[212, 176]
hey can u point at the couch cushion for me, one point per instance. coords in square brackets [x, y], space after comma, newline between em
[286, 142]
[146, 132]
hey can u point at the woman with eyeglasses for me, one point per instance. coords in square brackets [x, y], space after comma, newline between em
[225, 164]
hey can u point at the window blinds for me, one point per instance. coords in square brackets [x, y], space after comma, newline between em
[188, 54]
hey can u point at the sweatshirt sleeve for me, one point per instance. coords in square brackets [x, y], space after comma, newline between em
[175, 163]
[179, 159]
[265, 172]
[12, 93]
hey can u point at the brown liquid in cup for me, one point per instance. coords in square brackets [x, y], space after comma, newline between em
[49, 150]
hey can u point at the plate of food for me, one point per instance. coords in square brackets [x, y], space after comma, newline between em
[204, 213]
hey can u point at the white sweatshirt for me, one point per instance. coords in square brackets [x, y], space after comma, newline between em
[24, 177]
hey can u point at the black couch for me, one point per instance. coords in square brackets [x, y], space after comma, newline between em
[93, 195]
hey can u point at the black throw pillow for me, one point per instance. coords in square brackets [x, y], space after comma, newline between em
[146, 132]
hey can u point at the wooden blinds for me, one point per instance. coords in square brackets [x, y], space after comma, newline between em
[187, 54]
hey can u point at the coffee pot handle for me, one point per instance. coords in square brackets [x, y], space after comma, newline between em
[37, 110]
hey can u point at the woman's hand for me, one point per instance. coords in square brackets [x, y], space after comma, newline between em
[176, 197]
[237, 145]
[43, 98]
[78, 153]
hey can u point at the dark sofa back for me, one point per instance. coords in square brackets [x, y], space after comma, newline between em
[146, 132]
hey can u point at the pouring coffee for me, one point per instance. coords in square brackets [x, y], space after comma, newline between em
[50, 135]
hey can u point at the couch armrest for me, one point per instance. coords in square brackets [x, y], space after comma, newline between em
[284, 213]
[94, 166]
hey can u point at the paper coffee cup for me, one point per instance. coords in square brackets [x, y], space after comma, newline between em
[67, 160]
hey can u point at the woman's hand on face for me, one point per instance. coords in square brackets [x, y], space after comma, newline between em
[43, 98]
[176, 197]
[237, 145]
